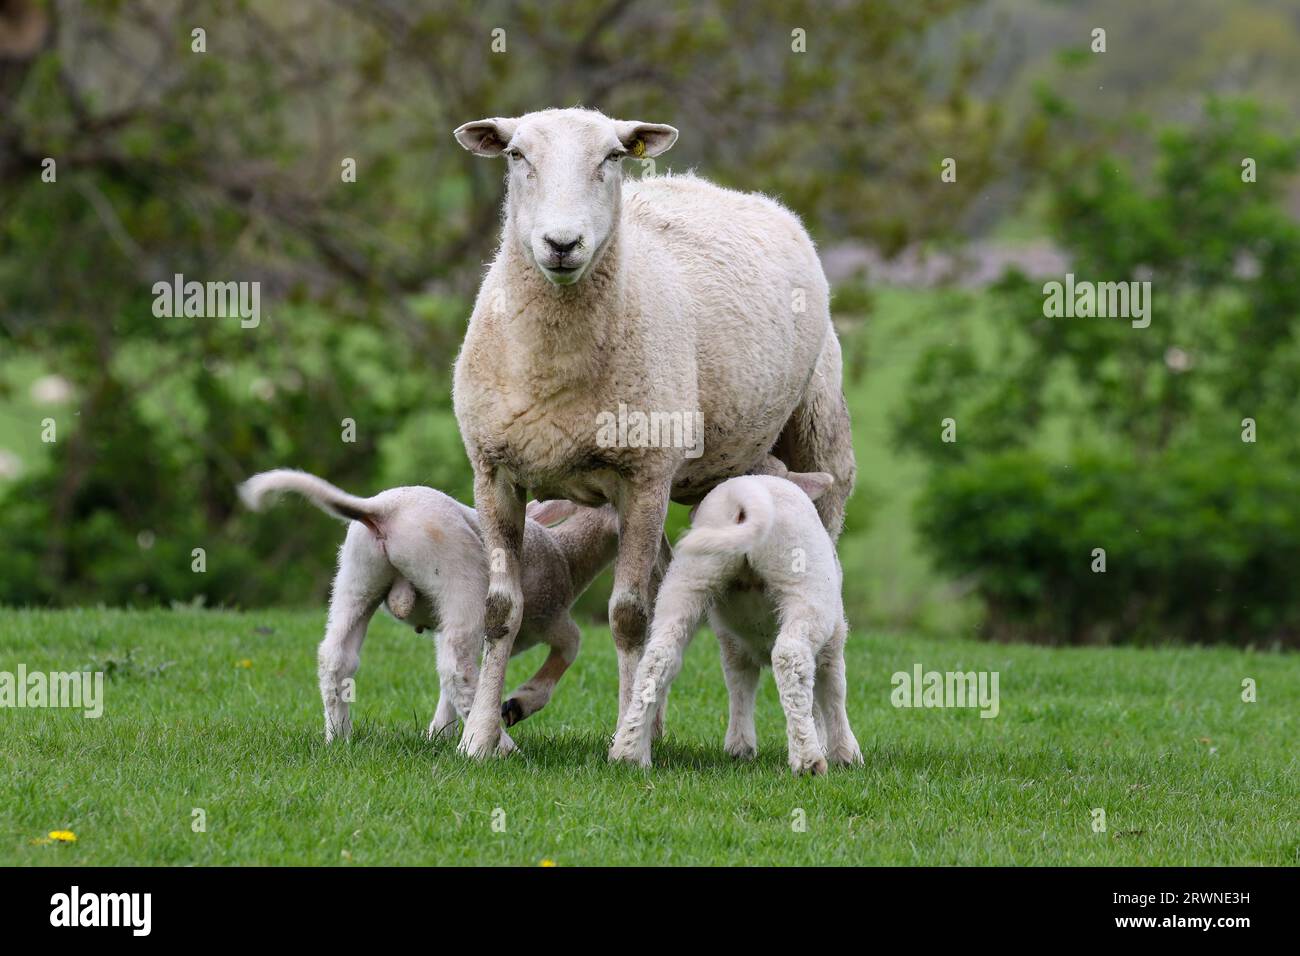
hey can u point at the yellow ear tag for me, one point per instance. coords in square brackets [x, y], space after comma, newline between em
[637, 148]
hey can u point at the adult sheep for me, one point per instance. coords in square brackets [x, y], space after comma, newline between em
[665, 296]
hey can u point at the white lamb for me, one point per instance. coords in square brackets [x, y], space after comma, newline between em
[759, 559]
[668, 296]
[421, 553]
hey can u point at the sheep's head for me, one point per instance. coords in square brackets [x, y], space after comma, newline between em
[565, 180]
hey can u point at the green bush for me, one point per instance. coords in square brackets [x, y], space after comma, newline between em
[1082, 433]
[1196, 547]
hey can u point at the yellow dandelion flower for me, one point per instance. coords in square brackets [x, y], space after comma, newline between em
[63, 836]
[547, 863]
[244, 663]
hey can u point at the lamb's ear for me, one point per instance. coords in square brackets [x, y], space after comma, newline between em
[814, 483]
[486, 137]
[550, 512]
[645, 139]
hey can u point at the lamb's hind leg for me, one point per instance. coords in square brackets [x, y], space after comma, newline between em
[460, 600]
[564, 639]
[818, 436]
[840, 744]
[682, 599]
[794, 666]
[363, 579]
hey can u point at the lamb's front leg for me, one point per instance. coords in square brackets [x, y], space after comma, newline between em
[564, 639]
[794, 667]
[500, 505]
[641, 516]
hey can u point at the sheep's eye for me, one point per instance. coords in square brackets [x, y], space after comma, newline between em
[615, 156]
[514, 153]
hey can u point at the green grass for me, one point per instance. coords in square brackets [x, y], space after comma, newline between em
[1186, 772]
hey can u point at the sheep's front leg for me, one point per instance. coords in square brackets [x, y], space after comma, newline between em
[794, 667]
[641, 516]
[500, 505]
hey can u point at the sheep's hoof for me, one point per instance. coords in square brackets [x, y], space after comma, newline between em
[512, 712]
[740, 750]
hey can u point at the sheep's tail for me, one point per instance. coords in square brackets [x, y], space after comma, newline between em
[749, 517]
[332, 500]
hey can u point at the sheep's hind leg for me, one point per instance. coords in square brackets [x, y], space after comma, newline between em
[818, 436]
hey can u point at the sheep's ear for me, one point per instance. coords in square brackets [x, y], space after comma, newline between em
[645, 139]
[814, 483]
[550, 512]
[486, 137]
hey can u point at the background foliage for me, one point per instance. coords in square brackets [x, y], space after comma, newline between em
[225, 166]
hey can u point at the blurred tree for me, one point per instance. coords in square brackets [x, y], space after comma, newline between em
[1082, 433]
[227, 163]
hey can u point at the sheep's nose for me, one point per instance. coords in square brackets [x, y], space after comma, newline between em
[561, 243]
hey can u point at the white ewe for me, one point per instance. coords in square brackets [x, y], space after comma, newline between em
[668, 298]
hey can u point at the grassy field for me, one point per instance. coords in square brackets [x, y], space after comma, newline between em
[219, 711]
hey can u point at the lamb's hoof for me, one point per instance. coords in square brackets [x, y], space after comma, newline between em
[815, 767]
[847, 756]
[512, 712]
[506, 746]
[740, 750]
[446, 730]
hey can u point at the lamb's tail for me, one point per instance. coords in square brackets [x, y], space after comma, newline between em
[330, 499]
[745, 519]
